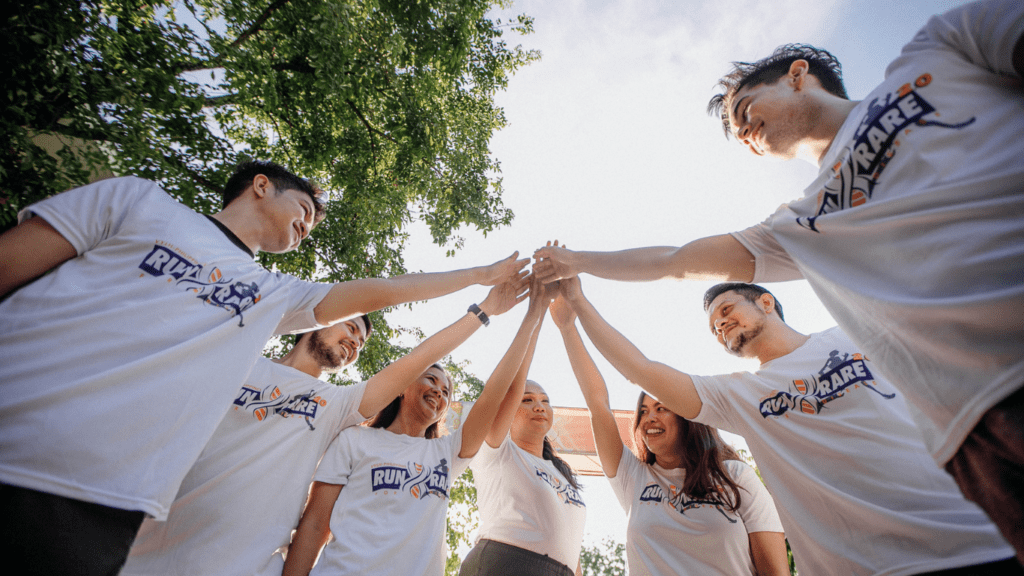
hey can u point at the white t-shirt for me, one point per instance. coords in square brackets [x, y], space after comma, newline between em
[245, 494]
[856, 489]
[118, 365]
[913, 233]
[389, 517]
[670, 533]
[526, 502]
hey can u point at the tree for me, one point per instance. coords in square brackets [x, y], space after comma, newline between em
[607, 558]
[387, 103]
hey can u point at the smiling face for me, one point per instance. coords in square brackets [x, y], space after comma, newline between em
[737, 322]
[288, 217]
[658, 428]
[534, 417]
[429, 395]
[774, 119]
[337, 346]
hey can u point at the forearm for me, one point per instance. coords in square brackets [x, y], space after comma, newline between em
[355, 297]
[768, 553]
[510, 404]
[313, 530]
[712, 258]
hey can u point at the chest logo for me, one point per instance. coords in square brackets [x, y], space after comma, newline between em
[269, 401]
[414, 479]
[653, 493]
[810, 395]
[566, 493]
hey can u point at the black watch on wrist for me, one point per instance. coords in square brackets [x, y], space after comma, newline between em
[479, 314]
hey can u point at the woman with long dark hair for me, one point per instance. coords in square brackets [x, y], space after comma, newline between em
[531, 513]
[382, 490]
[693, 507]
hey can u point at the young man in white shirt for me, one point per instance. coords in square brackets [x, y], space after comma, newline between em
[120, 363]
[911, 235]
[856, 489]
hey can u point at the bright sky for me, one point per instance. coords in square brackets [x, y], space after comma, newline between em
[609, 147]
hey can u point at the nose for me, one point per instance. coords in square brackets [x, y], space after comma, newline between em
[718, 324]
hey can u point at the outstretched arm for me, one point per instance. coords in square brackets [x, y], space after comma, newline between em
[673, 388]
[595, 391]
[478, 423]
[384, 386]
[313, 531]
[713, 258]
[355, 297]
[514, 397]
[29, 250]
[768, 551]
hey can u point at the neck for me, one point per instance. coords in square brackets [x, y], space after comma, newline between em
[669, 461]
[534, 446]
[408, 425]
[831, 115]
[301, 361]
[777, 341]
[242, 224]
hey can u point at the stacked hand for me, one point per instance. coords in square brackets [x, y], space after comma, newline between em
[554, 262]
[502, 270]
[504, 296]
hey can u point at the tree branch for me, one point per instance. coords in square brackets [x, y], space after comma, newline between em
[297, 64]
[366, 123]
[257, 25]
[223, 100]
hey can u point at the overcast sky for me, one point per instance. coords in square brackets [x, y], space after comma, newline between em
[609, 147]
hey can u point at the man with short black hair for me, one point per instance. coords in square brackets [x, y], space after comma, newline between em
[856, 489]
[121, 361]
[912, 234]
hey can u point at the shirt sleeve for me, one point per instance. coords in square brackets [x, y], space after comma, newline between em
[757, 507]
[90, 214]
[459, 464]
[348, 399]
[715, 409]
[303, 297]
[625, 480]
[771, 261]
[487, 457]
[337, 463]
[984, 33]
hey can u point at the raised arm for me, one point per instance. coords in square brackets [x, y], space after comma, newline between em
[768, 552]
[478, 423]
[313, 531]
[595, 391]
[29, 250]
[355, 297]
[713, 258]
[514, 397]
[384, 386]
[673, 388]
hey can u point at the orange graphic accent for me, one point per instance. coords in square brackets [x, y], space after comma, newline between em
[415, 491]
[258, 296]
[260, 414]
[858, 356]
[923, 80]
[836, 167]
[801, 386]
[170, 279]
[215, 275]
[275, 394]
[857, 198]
[806, 407]
[904, 90]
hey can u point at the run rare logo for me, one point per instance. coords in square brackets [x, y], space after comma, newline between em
[653, 493]
[855, 175]
[810, 395]
[566, 493]
[269, 401]
[415, 479]
[212, 288]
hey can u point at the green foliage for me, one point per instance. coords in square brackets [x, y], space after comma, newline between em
[607, 558]
[387, 103]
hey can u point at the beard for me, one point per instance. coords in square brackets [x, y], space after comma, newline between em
[325, 357]
[737, 345]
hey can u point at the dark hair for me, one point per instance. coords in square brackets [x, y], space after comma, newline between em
[704, 454]
[366, 322]
[549, 454]
[387, 415]
[279, 176]
[749, 291]
[821, 64]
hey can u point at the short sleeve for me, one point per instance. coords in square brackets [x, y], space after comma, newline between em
[487, 458]
[337, 463]
[983, 33]
[348, 399]
[90, 214]
[771, 261]
[459, 464]
[714, 409]
[757, 507]
[303, 298]
[625, 480]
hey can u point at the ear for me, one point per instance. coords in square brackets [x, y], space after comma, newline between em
[260, 185]
[798, 73]
[767, 303]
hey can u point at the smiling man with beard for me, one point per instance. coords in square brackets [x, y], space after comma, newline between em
[856, 489]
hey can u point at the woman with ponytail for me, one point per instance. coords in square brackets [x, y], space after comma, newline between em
[531, 513]
[693, 507]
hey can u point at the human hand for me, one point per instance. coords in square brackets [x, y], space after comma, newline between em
[503, 297]
[571, 289]
[562, 313]
[554, 262]
[502, 270]
[541, 294]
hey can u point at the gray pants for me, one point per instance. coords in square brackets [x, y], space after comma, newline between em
[490, 558]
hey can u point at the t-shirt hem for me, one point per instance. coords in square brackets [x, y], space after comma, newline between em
[948, 563]
[961, 425]
[26, 479]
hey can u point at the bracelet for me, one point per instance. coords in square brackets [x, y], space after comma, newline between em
[479, 314]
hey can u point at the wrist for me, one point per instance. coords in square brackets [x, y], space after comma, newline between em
[479, 313]
[487, 308]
